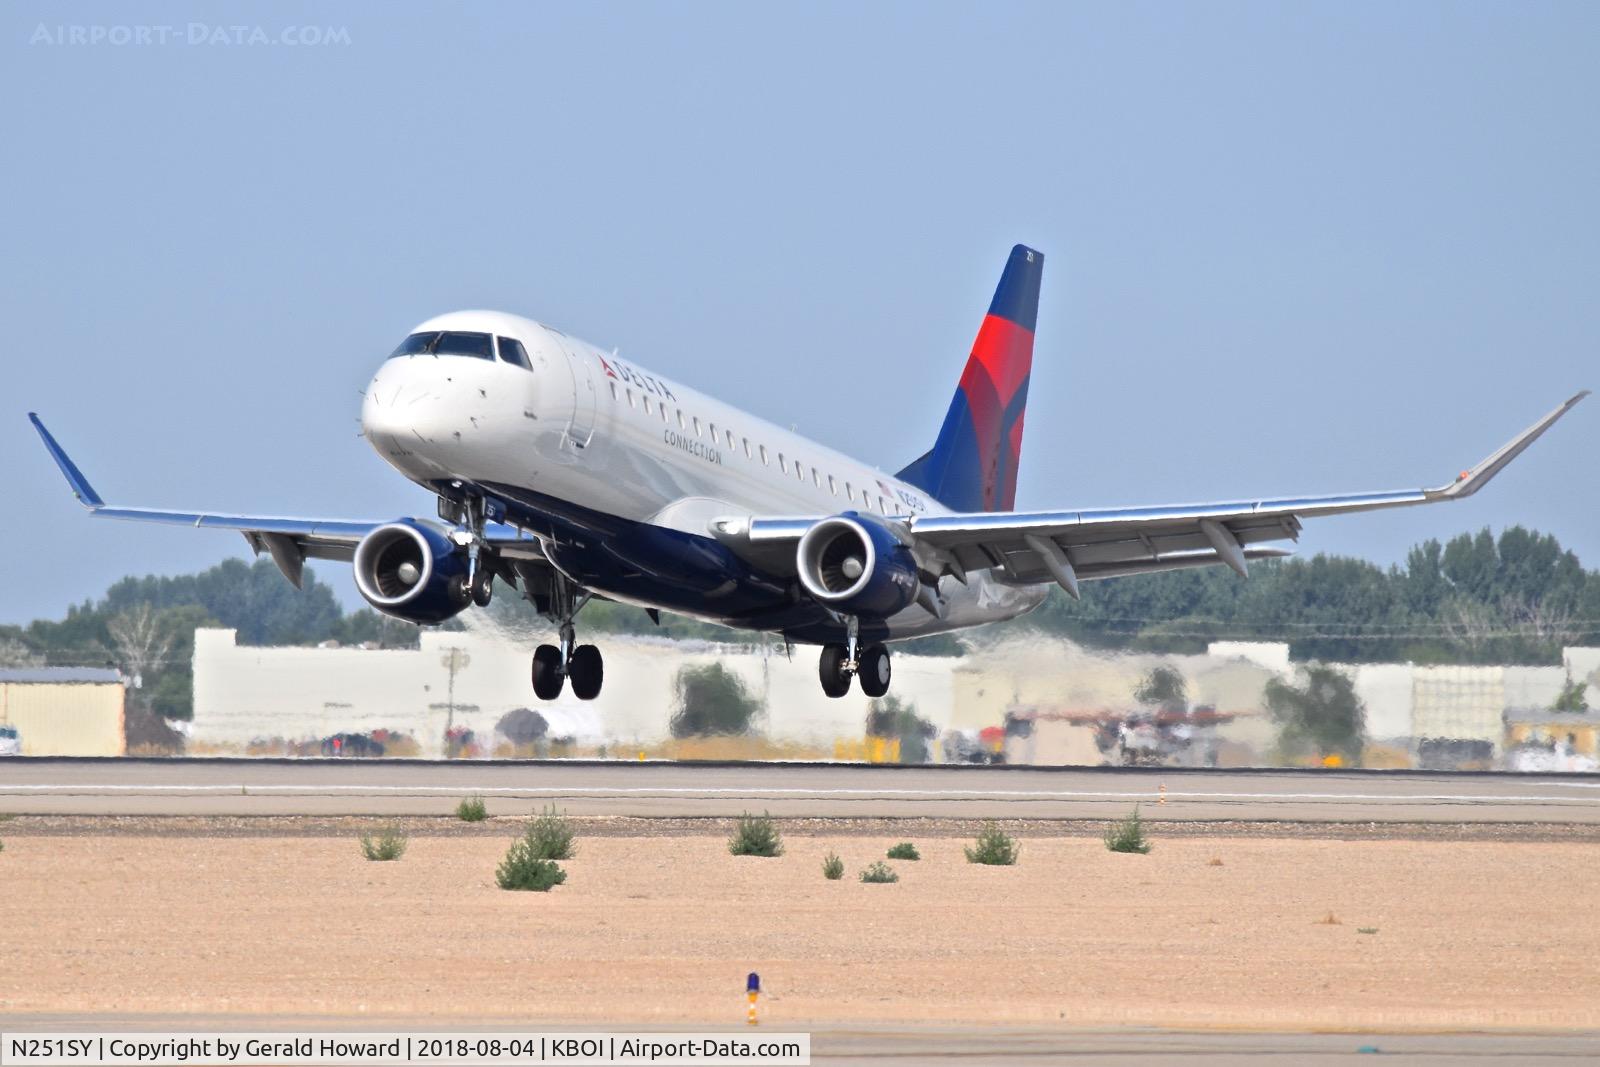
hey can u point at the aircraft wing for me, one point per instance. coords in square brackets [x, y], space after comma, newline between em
[1073, 546]
[290, 541]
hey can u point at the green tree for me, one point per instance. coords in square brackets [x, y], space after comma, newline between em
[891, 717]
[1323, 717]
[1164, 688]
[1572, 697]
[711, 700]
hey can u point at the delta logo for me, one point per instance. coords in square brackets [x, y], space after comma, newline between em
[620, 371]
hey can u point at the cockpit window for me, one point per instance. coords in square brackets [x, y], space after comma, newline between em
[447, 343]
[511, 351]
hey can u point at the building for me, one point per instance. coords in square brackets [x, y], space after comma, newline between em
[1416, 715]
[471, 680]
[64, 711]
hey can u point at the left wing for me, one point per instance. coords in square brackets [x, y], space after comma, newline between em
[1072, 546]
[290, 541]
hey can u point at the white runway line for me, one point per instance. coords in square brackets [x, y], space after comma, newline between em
[242, 789]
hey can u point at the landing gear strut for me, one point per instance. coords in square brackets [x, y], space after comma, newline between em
[840, 663]
[554, 665]
[484, 562]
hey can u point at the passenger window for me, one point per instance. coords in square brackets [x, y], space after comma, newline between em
[799, 472]
[680, 418]
[730, 438]
[815, 479]
[646, 404]
[613, 390]
[849, 494]
[712, 428]
[832, 487]
[663, 410]
[511, 351]
[697, 425]
[630, 398]
[746, 448]
[883, 505]
[763, 455]
[781, 465]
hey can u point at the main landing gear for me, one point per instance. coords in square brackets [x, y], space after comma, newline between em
[839, 663]
[554, 666]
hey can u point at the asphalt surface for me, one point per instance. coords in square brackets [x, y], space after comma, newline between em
[975, 1046]
[419, 787]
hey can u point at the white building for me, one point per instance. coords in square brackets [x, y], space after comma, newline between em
[299, 694]
[243, 693]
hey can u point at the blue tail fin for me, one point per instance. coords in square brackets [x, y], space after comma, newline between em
[973, 464]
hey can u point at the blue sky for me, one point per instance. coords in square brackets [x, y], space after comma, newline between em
[1289, 247]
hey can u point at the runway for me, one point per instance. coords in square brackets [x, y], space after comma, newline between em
[420, 787]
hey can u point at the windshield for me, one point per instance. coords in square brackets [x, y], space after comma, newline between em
[447, 343]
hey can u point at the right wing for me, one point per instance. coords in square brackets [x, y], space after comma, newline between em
[1104, 543]
[290, 541]
[1072, 546]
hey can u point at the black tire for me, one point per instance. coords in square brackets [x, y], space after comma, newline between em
[483, 586]
[587, 671]
[547, 676]
[830, 669]
[874, 671]
[460, 590]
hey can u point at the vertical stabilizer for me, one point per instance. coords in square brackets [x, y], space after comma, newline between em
[973, 464]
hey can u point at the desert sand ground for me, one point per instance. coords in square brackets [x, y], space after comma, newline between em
[1477, 934]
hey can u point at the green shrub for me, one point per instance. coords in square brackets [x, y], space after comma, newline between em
[994, 848]
[523, 868]
[832, 867]
[880, 873]
[905, 850]
[389, 843]
[756, 835]
[472, 809]
[1128, 835]
[551, 836]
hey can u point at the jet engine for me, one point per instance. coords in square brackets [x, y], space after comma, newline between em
[412, 572]
[857, 565]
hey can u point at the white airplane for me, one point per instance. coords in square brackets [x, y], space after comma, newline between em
[569, 473]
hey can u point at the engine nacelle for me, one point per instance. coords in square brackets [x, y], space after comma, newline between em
[855, 564]
[412, 572]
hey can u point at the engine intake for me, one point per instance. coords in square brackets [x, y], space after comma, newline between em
[412, 572]
[855, 564]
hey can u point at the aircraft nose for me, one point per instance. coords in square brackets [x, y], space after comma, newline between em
[400, 401]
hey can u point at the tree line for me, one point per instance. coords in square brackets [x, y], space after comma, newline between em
[1517, 598]
[145, 627]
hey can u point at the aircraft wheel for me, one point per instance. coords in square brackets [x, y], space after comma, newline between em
[460, 590]
[482, 586]
[831, 669]
[547, 674]
[587, 671]
[874, 670]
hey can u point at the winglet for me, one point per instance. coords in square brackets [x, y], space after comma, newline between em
[1471, 481]
[80, 485]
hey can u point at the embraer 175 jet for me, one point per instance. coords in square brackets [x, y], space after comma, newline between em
[569, 473]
